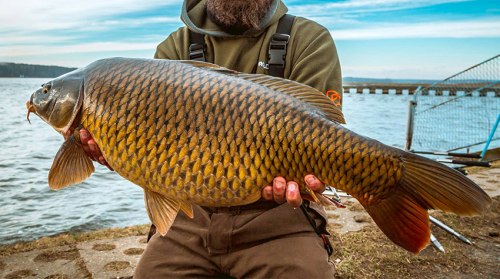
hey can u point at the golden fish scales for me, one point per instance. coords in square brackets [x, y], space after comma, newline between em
[207, 140]
[195, 133]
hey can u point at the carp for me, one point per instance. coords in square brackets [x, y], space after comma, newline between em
[191, 132]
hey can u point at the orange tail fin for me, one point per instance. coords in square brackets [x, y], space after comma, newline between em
[425, 185]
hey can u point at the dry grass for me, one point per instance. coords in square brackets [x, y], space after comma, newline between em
[369, 254]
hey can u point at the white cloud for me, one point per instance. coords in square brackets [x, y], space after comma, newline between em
[446, 29]
[35, 27]
[29, 30]
[35, 15]
[142, 21]
[364, 6]
[442, 29]
[128, 23]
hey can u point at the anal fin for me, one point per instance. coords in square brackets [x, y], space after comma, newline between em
[71, 165]
[187, 208]
[403, 220]
[161, 210]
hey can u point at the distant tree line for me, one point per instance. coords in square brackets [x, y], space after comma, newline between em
[32, 71]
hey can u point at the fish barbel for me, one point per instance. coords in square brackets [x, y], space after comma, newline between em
[195, 133]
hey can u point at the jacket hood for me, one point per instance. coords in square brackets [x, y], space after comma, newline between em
[194, 15]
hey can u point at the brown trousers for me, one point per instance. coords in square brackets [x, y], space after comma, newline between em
[272, 242]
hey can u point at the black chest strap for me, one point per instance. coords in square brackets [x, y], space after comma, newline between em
[277, 46]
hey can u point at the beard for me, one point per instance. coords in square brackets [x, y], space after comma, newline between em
[238, 16]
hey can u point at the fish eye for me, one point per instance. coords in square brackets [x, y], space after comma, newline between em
[46, 88]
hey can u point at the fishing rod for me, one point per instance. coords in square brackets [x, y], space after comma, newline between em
[466, 163]
[455, 154]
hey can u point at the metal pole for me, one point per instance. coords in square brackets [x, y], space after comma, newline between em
[409, 124]
[436, 243]
[448, 229]
[490, 137]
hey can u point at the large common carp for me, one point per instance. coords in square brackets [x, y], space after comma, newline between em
[195, 133]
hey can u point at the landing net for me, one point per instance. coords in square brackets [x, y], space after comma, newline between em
[459, 113]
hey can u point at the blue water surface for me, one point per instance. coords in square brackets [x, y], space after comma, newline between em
[29, 209]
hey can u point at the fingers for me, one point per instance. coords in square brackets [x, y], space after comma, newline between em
[279, 187]
[282, 191]
[91, 148]
[84, 139]
[293, 194]
[275, 192]
[267, 193]
[314, 183]
[89, 145]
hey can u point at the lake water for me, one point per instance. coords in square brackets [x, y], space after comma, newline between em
[29, 209]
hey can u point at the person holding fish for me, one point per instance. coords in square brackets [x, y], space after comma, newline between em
[205, 141]
[270, 237]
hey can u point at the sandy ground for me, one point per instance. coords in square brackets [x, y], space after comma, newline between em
[361, 250]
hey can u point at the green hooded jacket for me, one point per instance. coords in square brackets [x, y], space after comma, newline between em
[311, 56]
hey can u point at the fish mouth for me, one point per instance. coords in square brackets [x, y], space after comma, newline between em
[30, 107]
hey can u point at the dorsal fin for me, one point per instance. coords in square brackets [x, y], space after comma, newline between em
[300, 91]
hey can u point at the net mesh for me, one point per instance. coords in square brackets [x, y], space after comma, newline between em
[459, 113]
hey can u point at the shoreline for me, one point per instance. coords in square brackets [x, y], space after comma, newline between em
[71, 238]
[114, 252]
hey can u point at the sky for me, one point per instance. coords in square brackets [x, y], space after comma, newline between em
[410, 39]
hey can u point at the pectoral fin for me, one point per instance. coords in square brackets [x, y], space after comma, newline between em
[71, 165]
[162, 210]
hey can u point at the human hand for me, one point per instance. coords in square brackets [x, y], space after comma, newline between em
[282, 191]
[90, 147]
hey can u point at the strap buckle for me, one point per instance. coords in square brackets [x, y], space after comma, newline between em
[277, 49]
[197, 52]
